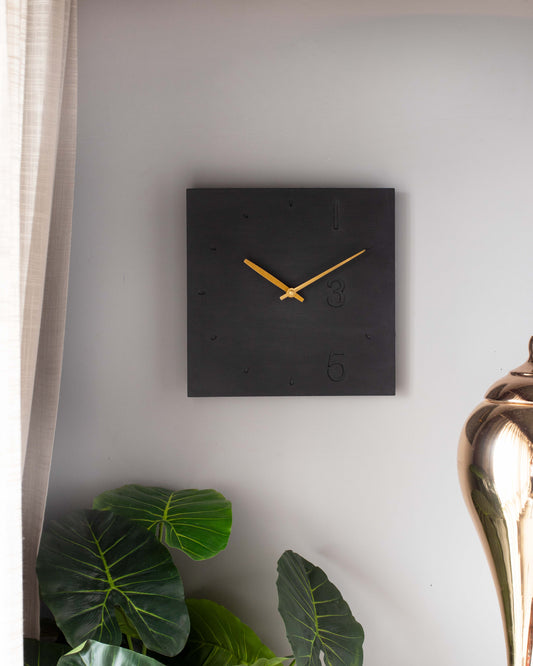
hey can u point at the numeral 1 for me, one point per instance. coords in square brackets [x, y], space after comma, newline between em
[336, 215]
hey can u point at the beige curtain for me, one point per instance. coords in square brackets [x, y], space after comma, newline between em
[39, 43]
[10, 453]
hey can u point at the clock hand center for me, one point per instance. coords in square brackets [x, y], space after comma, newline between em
[274, 280]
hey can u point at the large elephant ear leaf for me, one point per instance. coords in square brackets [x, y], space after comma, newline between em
[198, 522]
[93, 653]
[218, 638]
[316, 617]
[91, 562]
[41, 653]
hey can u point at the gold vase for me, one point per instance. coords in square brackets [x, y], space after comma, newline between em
[495, 470]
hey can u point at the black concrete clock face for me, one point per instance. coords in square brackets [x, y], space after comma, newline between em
[291, 320]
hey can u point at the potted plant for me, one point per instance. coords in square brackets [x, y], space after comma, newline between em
[107, 576]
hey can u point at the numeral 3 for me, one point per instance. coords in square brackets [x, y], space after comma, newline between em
[336, 295]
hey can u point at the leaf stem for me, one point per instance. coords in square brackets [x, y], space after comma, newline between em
[130, 643]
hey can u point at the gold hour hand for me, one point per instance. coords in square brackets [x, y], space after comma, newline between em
[293, 293]
[271, 278]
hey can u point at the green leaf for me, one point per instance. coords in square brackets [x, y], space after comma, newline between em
[40, 653]
[93, 653]
[126, 627]
[198, 522]
[316, 617]
[276, 661]
[219, 638]
[93, 561]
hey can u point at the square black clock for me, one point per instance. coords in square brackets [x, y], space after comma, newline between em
[290, 292]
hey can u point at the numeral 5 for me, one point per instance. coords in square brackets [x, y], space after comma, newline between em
[335, 367]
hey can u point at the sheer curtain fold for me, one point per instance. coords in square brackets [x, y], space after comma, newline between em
[48, 34]
[10, 425]
[41, 72]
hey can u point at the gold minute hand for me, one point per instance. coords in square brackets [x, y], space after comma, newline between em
[271, 278]
[293, 293]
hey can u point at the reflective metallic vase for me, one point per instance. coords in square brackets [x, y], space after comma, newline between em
[495, 469]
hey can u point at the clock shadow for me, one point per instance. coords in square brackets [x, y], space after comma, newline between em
[404, 261]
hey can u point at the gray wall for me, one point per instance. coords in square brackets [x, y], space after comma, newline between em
[177, 94]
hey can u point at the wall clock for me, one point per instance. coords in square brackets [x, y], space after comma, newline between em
[290, 292]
